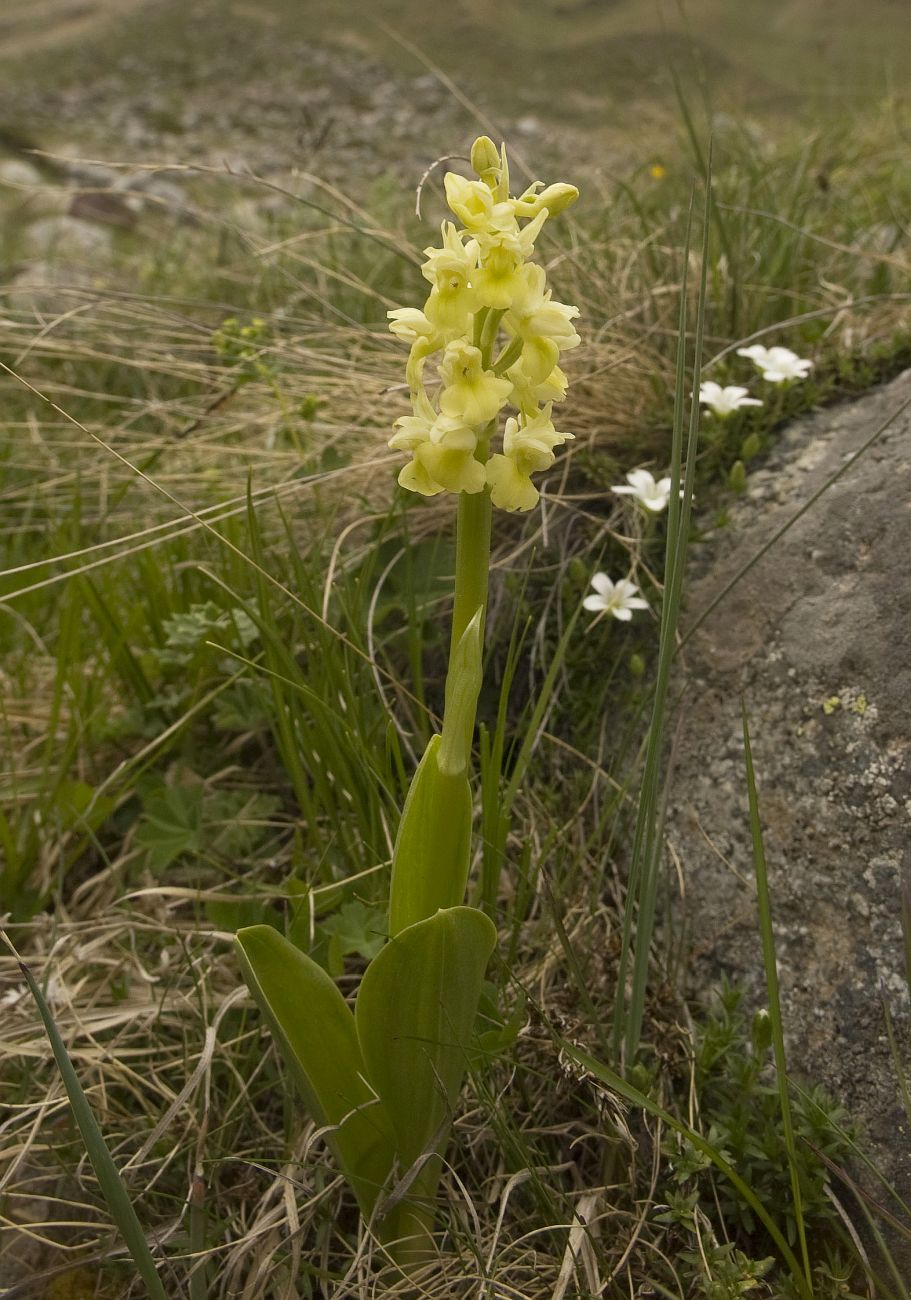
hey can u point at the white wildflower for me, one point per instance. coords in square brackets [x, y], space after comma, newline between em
[778, 365]
[642, 485]
[724, 401]
[618, 598]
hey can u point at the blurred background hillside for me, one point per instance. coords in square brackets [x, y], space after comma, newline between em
[337, 88]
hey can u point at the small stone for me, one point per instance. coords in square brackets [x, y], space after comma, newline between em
[65, 238]
[18, 172]
[46, 288]
[104, 207]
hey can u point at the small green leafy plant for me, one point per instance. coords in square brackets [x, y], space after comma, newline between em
[740, 1113]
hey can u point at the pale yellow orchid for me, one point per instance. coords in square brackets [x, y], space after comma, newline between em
[555, 198]
[528, 392]
[527, 449]
[486, 161]
[410, 323]
[451, 266]
[485, 289]
[453, 468]
[414, 429]
[510, 489]
[499, 279]
[421, 349]
[442, 448]
[450, 270]
[534, 314]
[544, 326]
[470, 392]
[474, 204]
[414, 327]
[415, 478]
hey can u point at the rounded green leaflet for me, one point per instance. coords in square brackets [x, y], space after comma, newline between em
[315, 1029]
[415, 1014]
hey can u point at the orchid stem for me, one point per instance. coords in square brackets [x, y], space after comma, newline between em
[472, 556]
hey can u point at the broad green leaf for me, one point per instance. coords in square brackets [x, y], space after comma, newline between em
[415, 1014]
[315, 1029]
[432, 850]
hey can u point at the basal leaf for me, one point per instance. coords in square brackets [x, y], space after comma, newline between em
[415, 1014]
[315, 1029]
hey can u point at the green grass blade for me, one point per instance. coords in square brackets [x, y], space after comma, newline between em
[771, 973]
[536, 722]
[109, 1180]
[645, 860]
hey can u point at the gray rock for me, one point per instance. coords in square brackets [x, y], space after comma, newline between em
[67, 238]
[816, 638]
[47, 288]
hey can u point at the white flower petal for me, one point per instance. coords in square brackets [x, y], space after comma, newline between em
[641, 481]
[594, 603]
[603, 585]
[756, 353]
[624, 615]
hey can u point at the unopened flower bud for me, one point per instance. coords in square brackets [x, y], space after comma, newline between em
[750, 447]
[737, 476]
[485, 160]
[556, 197]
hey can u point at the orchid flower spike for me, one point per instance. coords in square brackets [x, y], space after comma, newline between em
[498, 336]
